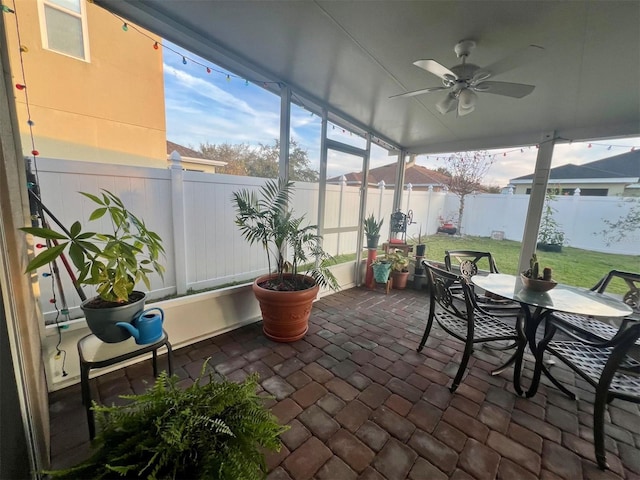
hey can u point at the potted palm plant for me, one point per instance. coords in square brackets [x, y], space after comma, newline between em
[372, 230]
[286, 295]
[112, 262]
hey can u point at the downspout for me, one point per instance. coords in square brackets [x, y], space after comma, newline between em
[285, 131]
[400, 168]
[536, 199]
[322, 187]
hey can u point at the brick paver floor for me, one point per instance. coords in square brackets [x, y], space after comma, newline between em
[363, 404]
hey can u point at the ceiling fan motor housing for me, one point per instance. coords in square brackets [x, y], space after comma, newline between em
[463, 48]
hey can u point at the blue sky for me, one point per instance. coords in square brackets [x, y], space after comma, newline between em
[209, 107]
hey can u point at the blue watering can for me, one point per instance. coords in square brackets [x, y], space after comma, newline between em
[146, 327]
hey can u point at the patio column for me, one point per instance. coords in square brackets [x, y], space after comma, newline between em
[536, 199]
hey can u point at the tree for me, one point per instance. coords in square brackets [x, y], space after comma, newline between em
[237, 156]
[466, 169]
[261, 161]
[299, 164]
[625, 226]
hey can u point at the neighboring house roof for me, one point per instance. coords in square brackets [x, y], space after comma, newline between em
[191, 155]
[414, 174]
[617, 168]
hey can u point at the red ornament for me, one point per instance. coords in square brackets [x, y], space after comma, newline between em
[35, 153]
[20, 86]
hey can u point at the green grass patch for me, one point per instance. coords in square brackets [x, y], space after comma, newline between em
[572, 266]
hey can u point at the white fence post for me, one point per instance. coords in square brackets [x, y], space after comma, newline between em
[178, 224]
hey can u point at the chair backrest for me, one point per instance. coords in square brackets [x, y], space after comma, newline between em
[467, 261]
[632, 280]
[441, 283]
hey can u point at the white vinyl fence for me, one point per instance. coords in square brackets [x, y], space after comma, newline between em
[193, 213]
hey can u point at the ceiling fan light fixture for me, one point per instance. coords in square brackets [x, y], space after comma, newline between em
[465, 111]
[445, 104]
[467, 99]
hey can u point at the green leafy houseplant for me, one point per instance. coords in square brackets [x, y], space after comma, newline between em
[266, 219]
[208, 430]
[399, 261]
[113, 262]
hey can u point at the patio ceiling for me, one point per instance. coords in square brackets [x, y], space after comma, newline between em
[352, 56]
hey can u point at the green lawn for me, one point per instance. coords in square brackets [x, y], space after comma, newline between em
[572, 266]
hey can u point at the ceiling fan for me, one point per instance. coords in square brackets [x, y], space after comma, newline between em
[464, 80]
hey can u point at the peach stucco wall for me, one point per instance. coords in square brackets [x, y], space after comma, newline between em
[109, 109]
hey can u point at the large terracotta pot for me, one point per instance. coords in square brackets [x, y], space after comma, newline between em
[285, 314]
[102, 319]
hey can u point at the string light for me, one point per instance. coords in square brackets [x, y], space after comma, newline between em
[125, 27]
[184, 60]
[155, 46]
[208, 70]
[228, 78]
[6, 9]
[24, 49]
[20, 86]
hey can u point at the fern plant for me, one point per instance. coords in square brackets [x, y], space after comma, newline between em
[208, 430]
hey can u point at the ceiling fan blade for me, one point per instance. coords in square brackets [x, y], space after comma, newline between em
[515, 90]
[419, 92]
[514, 60]
[436, 68]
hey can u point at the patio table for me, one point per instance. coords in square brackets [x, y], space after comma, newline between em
[538, 305]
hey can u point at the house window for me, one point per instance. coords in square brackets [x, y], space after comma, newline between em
[64, 27]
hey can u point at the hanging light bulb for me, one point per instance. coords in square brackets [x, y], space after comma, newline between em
[184, 60]
[125, 27]
[445, 104]
[155, 46]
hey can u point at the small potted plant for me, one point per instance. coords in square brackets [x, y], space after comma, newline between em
[372, 231]
[286, 295]
[381, 270]
[400, 268]
[211, 429]
[420, 247]
[112, 262]
[532, 279]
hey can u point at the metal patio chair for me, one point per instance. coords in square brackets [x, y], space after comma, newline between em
[462, 318]
[591, 328]
[467, 262]
[610, 367]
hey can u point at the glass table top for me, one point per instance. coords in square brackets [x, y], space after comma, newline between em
[564, 298]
